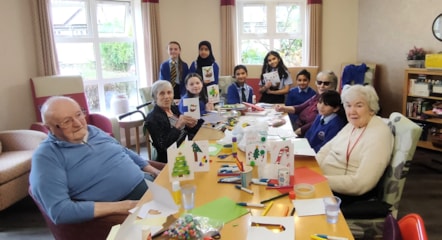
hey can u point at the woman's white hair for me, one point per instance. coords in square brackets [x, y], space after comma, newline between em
[159, 85]
[367, 92]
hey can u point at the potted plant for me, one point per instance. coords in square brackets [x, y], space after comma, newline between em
[416, 57]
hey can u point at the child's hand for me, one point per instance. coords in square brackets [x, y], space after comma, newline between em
[279, 108]
[210, 106]
[268, 84]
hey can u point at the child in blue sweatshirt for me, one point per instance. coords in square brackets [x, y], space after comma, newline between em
[330, 120]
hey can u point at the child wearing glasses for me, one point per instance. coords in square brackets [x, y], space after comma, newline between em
[239, 91]
[307, 111]
[274, 91]
[330, 120]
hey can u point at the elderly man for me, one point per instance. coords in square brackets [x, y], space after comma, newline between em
[79, 172]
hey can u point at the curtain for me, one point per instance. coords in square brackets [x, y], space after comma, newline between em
[314, 36]
[150, 17]
[228, 36]
[47, 61]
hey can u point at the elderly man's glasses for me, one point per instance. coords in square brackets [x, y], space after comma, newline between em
[322, 82]
[67, 122]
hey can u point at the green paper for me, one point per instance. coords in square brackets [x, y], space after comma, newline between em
[223, 209]
[214, 149]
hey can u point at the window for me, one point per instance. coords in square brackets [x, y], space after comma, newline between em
[271, 25]
[96, 39]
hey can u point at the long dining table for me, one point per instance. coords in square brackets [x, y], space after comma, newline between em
[208, 189]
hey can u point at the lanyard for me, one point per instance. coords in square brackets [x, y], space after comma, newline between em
[350, 149]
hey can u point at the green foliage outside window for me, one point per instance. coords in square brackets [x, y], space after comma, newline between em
[117, 56]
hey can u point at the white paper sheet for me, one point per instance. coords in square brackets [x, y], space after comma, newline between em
[309, 207]
[302, 147]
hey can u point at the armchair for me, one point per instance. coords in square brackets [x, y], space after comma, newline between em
[15, 163]
[406, 135]
[70, 86]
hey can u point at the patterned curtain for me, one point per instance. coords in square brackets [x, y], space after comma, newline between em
[44, 37]
[228, 30]
[150, 17]
[314, 18]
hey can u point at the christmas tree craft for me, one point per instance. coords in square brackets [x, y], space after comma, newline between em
[180, 168]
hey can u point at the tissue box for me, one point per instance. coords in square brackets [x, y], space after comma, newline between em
[433, 61]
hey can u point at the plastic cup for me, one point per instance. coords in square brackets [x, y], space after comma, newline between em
[246, 176]
[188, 196]
[332, 206]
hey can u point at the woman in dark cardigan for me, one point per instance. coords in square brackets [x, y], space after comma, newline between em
[165, 123]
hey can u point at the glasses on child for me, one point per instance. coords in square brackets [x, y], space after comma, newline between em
[70, 120]
[322, 82]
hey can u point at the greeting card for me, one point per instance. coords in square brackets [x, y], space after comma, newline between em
[201, 160]
[272, 77]
[281, 153]
[180, 162]
[193, 107]
[256, 153]
[208, 73]
[213, 93]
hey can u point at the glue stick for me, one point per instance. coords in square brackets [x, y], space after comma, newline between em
[176, 192]
[234, 146]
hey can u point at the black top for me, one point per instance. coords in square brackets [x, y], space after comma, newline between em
[163, 134]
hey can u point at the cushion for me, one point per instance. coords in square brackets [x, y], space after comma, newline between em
[391, 229]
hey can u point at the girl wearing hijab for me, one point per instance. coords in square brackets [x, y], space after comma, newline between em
[204, 61]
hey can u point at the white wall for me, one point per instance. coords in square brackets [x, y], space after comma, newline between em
[17, 64]
[385, 35]
[190, 22]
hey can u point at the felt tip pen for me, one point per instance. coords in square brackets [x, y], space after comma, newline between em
[250, 204]
[244, 189]
[324, 236]
[314, 237]
[274, 198]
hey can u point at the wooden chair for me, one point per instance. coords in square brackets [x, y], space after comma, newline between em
[70, 86]
[406, 135]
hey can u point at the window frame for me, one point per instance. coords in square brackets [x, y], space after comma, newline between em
[272, 33]
[93, 37]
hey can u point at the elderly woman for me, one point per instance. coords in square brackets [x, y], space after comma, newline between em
[165, 123]
[307, 111]
[355, 159]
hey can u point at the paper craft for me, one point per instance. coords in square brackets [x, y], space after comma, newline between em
[222, 209]
[272, 77]
[213, 93]
[208, 74]
[162, 204]
[193, 107]
[201, 159]
[281, 153]
[256, 154]
[309, 207]
[302, 147]
[259, 228]
[180, 162]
